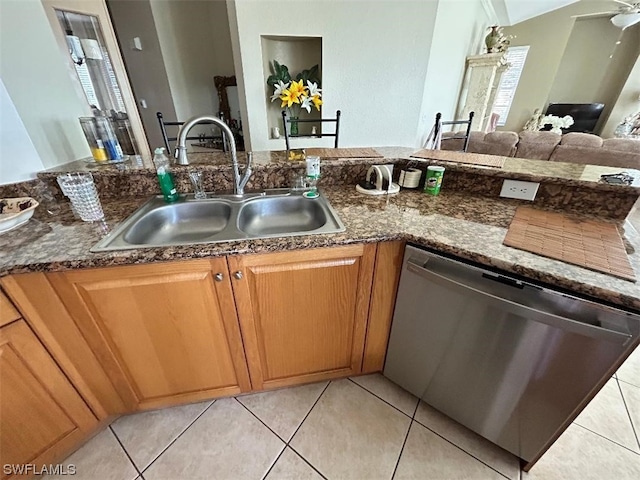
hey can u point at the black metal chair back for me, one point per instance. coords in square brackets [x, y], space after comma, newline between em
[288, 135]
[217, 139]
[439, 124]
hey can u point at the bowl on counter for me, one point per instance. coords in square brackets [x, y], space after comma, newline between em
[15, 212]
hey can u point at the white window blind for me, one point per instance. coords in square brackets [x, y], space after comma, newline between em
[516, 56]
[87, 84]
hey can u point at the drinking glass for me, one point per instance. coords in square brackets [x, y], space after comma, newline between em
[81, 190]
[196, 181]
[298, 182]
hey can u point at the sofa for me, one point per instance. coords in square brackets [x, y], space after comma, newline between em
[572, 147]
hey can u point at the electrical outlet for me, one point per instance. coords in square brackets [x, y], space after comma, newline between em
[520, 190]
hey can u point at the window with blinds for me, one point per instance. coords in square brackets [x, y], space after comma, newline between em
[516, 56]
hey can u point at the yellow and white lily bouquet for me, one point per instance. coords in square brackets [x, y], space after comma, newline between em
[295, 94]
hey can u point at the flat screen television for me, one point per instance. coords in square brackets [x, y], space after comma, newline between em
[585, 115]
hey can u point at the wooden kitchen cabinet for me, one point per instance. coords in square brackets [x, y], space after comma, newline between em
[42, 416]
[303, 313]
[165, 333]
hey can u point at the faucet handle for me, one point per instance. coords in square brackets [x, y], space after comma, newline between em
[249, 159]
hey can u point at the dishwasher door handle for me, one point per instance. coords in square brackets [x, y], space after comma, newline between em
[530, 313]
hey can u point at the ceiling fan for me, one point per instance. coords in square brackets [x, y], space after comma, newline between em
[627, 14]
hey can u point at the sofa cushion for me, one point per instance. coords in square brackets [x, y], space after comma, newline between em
[622, 145]
[595, 156]
[577, 139]
[456, 144]
[496, 143]
[493, 143]
[537, 145]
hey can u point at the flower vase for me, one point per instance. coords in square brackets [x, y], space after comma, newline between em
[293, 126]
[492, 39]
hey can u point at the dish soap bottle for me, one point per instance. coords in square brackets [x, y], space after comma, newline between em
[165, 178]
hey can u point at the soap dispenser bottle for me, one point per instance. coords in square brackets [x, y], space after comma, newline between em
[313, 175]
[165, 178]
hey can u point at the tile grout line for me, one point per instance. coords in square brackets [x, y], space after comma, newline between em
[624, 401]
[606, 438]
[258, 418]
[296, 431]
[177, 437]
[395, 468]
[307, 462]
[125, 452]
[463, 450]
[284, 447]
[628, 383]
[415, 410]
[380, 398]
[309, 412]
[412, 417]
[286, 442]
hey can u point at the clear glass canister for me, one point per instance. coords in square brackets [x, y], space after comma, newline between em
[122, 128]
[109, 139]
[98, 151]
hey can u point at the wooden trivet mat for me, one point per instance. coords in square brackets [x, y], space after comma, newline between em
[462, 157]
[343, 152]
[587, 243]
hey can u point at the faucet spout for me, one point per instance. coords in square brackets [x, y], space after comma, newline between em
[246, 175]
[181, 149]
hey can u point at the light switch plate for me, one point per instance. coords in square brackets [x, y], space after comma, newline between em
[519, 189]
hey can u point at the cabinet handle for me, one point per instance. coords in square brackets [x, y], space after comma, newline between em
[219, 277]
[238, 275]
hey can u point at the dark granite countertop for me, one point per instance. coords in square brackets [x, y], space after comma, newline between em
[468, 226]
[572, 174]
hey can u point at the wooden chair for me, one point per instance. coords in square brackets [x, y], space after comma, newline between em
[216, 139]
[437, 130]
[288, 135]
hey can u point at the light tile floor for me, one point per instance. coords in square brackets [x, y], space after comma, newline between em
[359, 428]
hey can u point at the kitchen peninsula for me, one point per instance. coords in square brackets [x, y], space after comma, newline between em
[81, 296]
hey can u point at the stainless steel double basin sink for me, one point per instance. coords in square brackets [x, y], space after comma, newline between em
[276, 213]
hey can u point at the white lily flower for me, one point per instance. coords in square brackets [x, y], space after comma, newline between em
[279, 87]
[313, 89]
[306, 104]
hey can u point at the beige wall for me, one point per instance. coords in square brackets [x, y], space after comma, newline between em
[587, 73]
[616, 80]
[39, 84]
[443, 86]
[627, 102]
[19, 159]
[148, 77]
[196, 45]
[584, 62]
[374, 65]
[547, 36]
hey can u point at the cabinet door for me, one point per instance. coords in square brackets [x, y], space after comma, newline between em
[8, 313]
[303, 314]
[42, 417]
[165, 333]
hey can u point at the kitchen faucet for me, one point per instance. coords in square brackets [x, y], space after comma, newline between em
[181, 149]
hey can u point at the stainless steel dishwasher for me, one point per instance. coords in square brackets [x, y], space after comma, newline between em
[508, 359]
